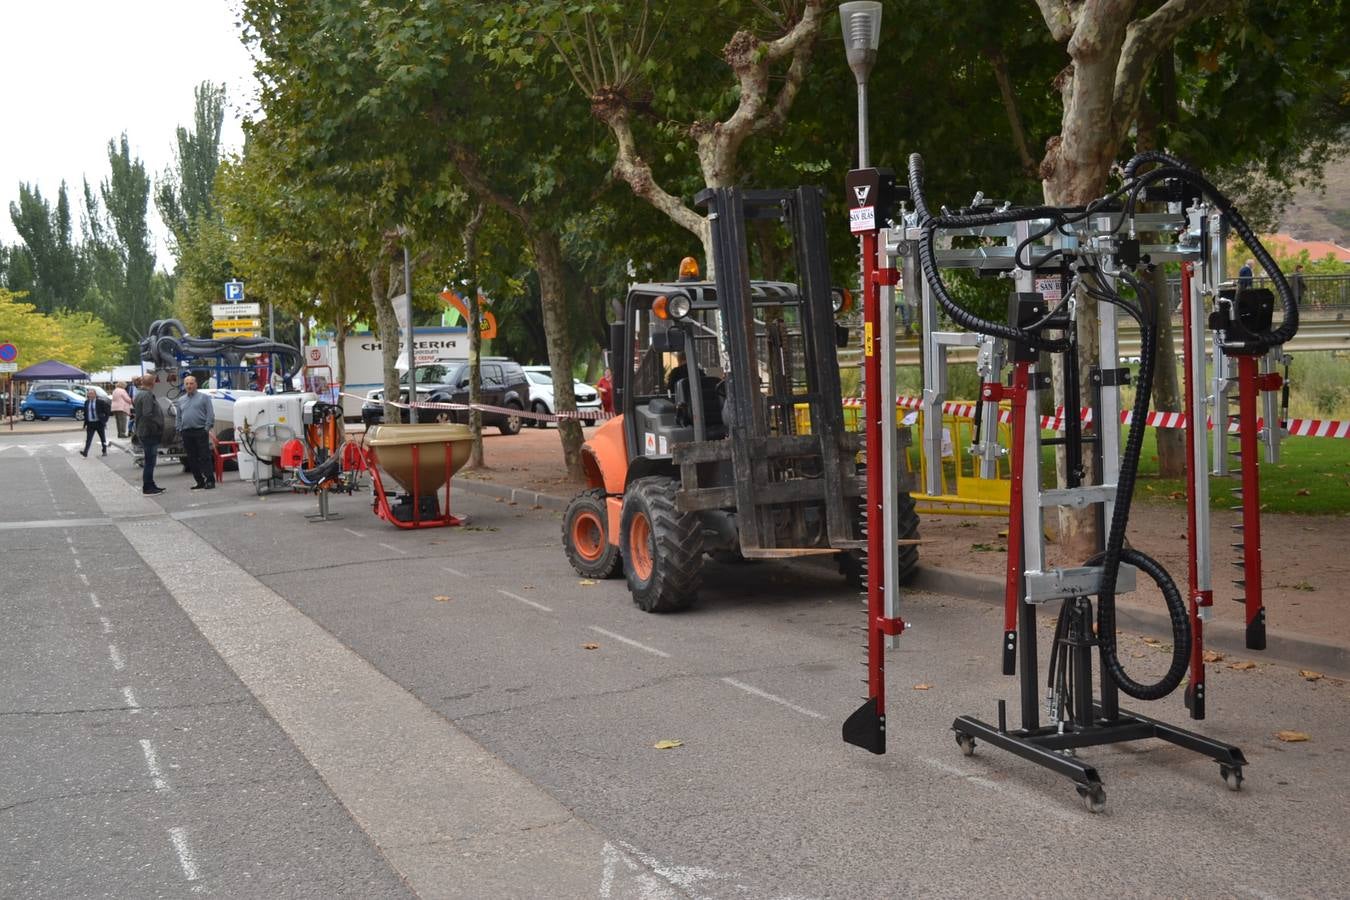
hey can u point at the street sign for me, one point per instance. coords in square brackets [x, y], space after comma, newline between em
[235, 310]
[234, 291]
[227, 324]
[9, 353]
[236, 334]
[9, 367]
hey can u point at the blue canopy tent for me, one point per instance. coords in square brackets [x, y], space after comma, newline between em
[50, 369]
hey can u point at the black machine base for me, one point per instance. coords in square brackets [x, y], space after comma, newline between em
[866, 728]
[1046, 747]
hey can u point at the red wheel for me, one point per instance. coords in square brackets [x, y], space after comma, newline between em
[585, 536]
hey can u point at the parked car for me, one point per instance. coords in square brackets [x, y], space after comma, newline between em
[72, 386]
[504, 385]
[541, 394]
[47, 403]
[372, 410]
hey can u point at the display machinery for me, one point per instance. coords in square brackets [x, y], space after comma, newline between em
[1103, 251]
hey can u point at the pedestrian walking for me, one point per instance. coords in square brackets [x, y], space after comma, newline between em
[606, 388]
[196, 417]
[121, 405]
[1245, 275]
[149, 422]
[1296, 285]
[96, 413]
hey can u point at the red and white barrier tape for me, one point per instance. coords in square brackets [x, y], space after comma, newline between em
[581, 414]
[1294, 427]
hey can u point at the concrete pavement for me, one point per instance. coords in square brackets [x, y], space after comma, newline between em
[480, 639]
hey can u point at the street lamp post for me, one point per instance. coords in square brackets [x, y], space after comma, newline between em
[861, 21]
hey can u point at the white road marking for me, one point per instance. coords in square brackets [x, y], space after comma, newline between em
[93, 598]
[456, 572]
[84, 578]
[69, 539]
[116, 656]
[73, 551]
[539, 606]
[353, 533]
[107, 626]
[185, 857]
[152, 763]
[76, 561]
[630, 642]
[1046, 808]
[686, 879]
[130, 697]
[395, 549]
[751, 689]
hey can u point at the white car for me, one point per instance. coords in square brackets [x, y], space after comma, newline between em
[541, 394]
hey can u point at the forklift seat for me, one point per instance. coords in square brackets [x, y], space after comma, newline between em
[712, 404]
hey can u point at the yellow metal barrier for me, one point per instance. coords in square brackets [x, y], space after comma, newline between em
[965, 492]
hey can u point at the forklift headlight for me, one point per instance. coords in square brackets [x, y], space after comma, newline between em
[679, 306]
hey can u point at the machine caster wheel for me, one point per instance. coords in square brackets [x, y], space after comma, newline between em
[1094, 798]
[1232, 776]
[966, 743]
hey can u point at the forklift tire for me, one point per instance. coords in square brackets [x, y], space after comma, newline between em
[662, 549]
[585, 538]
[850, 561]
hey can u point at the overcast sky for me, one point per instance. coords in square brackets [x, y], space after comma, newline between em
[78, 73]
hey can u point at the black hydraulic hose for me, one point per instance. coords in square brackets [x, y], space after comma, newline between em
[928, 261]
[1116, 552]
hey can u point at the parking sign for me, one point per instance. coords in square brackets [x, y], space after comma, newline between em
[234, 291]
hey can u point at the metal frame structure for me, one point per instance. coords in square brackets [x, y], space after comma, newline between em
[1095, 718]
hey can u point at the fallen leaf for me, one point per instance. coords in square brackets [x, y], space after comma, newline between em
[1309, 675]
[1243, 666]
[585, 582]
[1152, 641]
[1138, 654]
[668, 744]
[1292, 737]
[922, 687]
[1302, 492]
[1177, 495]
[441, 598]
[249, 515]
[590, 646]
[1213, 656]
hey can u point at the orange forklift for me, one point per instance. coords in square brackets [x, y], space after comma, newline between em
[730, 439]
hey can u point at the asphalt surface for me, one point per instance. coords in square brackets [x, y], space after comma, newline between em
[274, 663]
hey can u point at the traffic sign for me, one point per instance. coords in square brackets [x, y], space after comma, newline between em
[236, 334]
[9, 353]
[234, 291]
[235, 310]
[227, 324]
[9, 367]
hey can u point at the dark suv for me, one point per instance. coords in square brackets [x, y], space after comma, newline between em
[504, 385]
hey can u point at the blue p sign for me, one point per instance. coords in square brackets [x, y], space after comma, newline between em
[234, 291]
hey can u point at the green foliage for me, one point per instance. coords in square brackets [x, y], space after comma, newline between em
[76, 338]
[185, 194]
[49, 253]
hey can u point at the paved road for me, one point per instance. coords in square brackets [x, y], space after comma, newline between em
[342, 708]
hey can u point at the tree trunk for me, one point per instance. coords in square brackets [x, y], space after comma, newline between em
[475, 333]
[386, 323]
[548, 262]
[1166, 386]
[340, 339]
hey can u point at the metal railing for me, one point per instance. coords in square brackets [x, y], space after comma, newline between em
[1320, 292]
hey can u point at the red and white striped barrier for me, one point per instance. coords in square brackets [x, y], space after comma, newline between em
[962, 410]
[581, 414]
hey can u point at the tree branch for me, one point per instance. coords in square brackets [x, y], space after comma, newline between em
[1005, 90]
[466, 161]
[633, 169]
[1145, 39]
[1059, 17]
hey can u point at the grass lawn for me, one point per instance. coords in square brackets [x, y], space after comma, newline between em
[1312, 477]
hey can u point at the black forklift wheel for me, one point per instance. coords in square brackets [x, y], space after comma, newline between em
[662, 549]
[585, 536]
[1094, 797]
[967, 744]
[1232, 776]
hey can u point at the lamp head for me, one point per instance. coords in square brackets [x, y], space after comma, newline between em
[861, 21]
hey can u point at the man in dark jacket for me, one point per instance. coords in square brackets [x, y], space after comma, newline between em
[96, 413]
[149, 426]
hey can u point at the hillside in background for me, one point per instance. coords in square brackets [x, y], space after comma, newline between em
[1322, 216]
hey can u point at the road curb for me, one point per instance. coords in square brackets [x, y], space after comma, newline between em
[511, 494]
[1294, 650]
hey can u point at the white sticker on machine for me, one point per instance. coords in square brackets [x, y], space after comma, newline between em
[664, 447]
[649, 443]
[862, 218]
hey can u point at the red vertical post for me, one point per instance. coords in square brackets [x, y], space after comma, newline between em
[1012, 586]
[1195, 687]
[1248, 427]
[876, 659]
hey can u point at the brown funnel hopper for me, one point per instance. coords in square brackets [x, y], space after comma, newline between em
[392, 446]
